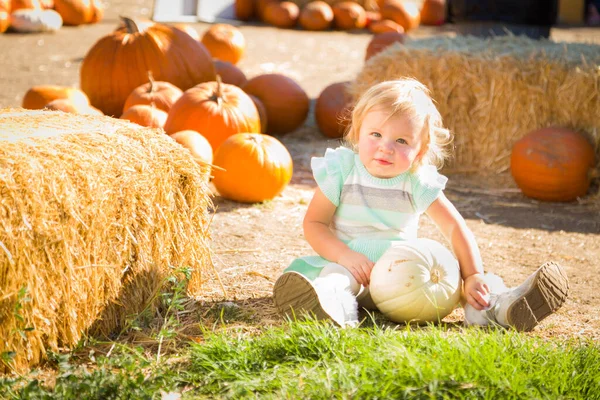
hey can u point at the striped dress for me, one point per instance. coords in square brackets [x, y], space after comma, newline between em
[371, 212]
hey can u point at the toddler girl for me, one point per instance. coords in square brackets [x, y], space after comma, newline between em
[372, 194]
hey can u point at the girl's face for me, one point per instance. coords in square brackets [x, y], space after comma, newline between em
[389, 147]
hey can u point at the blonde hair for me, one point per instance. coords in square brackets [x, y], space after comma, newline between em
[409, 97]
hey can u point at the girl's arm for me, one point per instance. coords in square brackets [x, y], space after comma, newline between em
[454, 228]
[320, 237]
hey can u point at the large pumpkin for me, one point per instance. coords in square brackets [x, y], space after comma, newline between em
[216, 110]
[553, 164]
[224, 42]
[119, 62]
[253, 168]
[416, 281]
[332, 109]
[286, 103]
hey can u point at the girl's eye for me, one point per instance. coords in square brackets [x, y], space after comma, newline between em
[376, 134]
[402, 141]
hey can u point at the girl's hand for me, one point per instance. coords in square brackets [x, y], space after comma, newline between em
[477, 292]
[358, 264]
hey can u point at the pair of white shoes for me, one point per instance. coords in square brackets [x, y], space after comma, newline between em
[522, 308]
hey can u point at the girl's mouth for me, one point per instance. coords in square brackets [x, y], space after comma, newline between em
[382, 162]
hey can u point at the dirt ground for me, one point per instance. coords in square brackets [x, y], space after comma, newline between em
[252, 244]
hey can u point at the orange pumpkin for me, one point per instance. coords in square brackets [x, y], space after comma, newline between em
[259, 7]
[316, 16]
[433, 12]
[216, 109]
[145, 115]
[229, 73]
[225, 42]
[349, 15]
[281, 15]
[256, 168]
[97, 11]
[4, 15]
[160, 94]
[405, 14]
[196, 144]
[244, 9]
[75, 12]
[190, 30]
[37, 97]
[332, 109]
[262, 113]
[25, 4]
[553, 164]
[66, 105]
[382, 40]
[119, 62]
[385, 25]
[287, 104]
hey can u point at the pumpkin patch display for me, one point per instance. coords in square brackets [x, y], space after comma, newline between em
[332, 109]
[553, 164]
[160, 94]
[253, 168]
[225, 42]
[119, 62]
[196, 144]
[285, 101]
[38, 96]
[416, 281]
[145, 115]
[216, 109]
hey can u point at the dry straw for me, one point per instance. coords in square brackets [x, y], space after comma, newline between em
[94, 214]
[493, 91]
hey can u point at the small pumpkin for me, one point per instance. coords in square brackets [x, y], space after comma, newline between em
[145, 115]
[281, 15]
[349, 15]
[385, 25]
[66, 105]
[225, 42]
[160, 94]
[35, 20]
[4, 15]
[433, 12]
[229, 73]
[253, 168]
[197, 145]
[381, 41]
[416, 281]
[332, 109]
[25, 5]
[553, 164]
[244, 9]
[216, 109]
[119, 62]
[405, 14]
[287, 104]
[259, 7]
[75, 12]
[190, 30]
[38, 96]
[316, 16]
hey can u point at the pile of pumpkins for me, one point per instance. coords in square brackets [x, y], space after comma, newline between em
[317, 15]
[168, 77]
[28, 16]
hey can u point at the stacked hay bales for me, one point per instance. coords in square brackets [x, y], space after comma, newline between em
[95, 213]
[492, 91]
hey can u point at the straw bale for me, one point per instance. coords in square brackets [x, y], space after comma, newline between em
[492, 91]
[95, 213]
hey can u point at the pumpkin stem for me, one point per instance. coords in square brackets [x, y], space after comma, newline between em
[130, 24]
[217, 96]
[435, 276]
[151, 80]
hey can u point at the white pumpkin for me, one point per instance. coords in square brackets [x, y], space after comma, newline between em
[416, 281]
[35, 20]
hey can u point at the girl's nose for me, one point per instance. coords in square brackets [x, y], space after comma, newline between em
[386, 146]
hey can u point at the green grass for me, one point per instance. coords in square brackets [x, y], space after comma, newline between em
[318, 361]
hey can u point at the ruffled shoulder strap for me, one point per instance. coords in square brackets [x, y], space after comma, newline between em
[331, 171]
[427, 184]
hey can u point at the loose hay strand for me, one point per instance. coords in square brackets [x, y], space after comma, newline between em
[94, 213]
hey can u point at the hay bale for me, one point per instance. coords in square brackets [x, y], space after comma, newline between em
[492, 91]
[94, 212]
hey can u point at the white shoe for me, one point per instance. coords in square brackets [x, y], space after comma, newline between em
[542, 293]
[325, 299]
